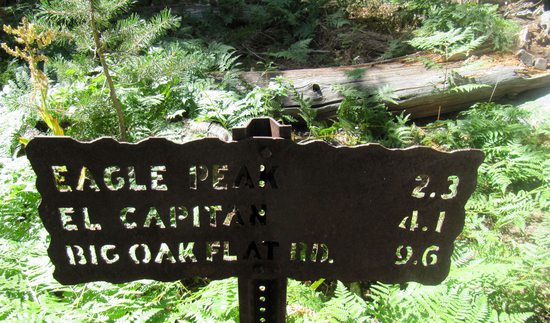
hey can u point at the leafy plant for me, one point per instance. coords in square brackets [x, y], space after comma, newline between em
[17, 111]
[448, 43]
[364, 115]
[188, 69]
[442, 303]
[344, 307]
[454, 29]
[479, 24]
[91, 26]
[218, 301]
[281, 29]
[317, 129]
[298, 51]
[19, 200]
[509, 209]
[33, 43]
[229, 110]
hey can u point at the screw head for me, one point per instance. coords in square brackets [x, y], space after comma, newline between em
[266, 153]
[259, 269]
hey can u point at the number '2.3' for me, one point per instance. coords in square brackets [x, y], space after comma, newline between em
[418, 191]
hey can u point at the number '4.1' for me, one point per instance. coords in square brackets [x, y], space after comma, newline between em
[411, 222]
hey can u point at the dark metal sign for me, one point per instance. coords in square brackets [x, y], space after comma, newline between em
[259, 207]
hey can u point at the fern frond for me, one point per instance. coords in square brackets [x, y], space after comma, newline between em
[510, 318]
[218, 301]
[467, 88]
[345, 306]
[338, 19]
[298, 51]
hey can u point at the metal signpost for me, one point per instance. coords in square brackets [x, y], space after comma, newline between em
[262, 208]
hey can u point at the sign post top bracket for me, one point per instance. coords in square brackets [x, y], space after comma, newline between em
[262, 127]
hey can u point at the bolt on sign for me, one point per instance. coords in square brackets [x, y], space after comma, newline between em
[262, 208]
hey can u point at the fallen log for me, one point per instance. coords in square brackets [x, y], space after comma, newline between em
[419, 91]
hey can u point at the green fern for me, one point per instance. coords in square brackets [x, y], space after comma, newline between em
[345, 306]
[338, 19]
[510, 318]
[469, 25]
[418, 303]
[18, 200]
[298, 51]
[448, 43]
[466, 88]
[229, 110]
[216, 302]
[363, 115]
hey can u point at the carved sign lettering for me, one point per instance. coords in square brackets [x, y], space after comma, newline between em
[119, 212]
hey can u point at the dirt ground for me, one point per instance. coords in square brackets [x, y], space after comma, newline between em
[535, 29]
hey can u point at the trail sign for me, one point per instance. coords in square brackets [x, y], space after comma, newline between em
[262, 208]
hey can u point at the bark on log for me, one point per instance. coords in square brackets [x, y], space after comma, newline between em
[419, 91]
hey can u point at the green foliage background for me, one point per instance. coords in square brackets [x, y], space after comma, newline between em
[501, 260]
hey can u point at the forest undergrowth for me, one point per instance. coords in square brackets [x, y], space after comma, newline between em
[165, 69]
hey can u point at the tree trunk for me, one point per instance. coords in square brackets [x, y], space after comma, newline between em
[112, 93]
[419, 92]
